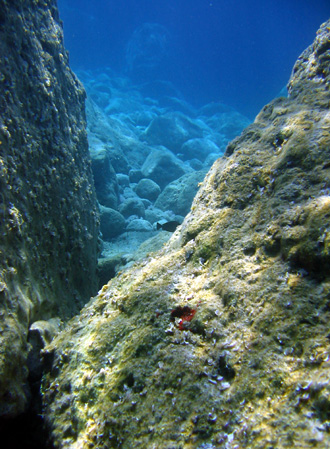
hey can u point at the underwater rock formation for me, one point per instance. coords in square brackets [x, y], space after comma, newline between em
[221, 340]
[145, 148]
[172, 130]
[162, 167]
[105, 180]
[179, 194]
[49, 217]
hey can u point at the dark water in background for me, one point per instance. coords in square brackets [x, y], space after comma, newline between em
[239, 52]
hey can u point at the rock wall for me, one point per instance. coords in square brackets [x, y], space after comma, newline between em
[48, 213]
[221, 340]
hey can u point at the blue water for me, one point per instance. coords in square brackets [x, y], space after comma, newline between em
[238, 52]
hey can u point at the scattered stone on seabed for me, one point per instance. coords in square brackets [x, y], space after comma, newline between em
[160, 149]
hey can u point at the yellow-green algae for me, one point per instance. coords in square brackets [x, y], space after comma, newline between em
[252, 368]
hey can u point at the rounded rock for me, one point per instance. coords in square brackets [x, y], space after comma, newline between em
[132, 206]
[148, 189]
[112, 223]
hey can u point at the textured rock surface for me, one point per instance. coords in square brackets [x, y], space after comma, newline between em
[179, 194]
[199, 148]
[105, 179]
[48, 223]
[112, 223]
[148, 189]
[222, 339]
[162, 167]
[172, 130]
[132, 206]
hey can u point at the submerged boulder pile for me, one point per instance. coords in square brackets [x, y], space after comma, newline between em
[221, 339]
[150, 149]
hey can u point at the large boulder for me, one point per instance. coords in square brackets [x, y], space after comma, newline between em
[224, 119]
[112, 223]
[172, 130]
[135, 175]
[163, 167]
[199, 149]
[118, 136]
[146, 188]
[154, 214]
[49, 215]
[179, 194]
[139, 225]
[118, 159]
[105, 179]
[108, 267]
[229, 124]
[132, 206]
[222, 338]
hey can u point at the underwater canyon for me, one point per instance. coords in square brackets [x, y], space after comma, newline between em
[220, 339]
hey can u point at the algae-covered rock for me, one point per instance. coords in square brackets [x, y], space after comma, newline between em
[48, 213]
[221, 339]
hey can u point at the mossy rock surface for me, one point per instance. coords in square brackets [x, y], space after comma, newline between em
[221, 339]
[48, 211]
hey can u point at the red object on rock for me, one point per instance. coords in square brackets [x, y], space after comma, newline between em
[184, 313]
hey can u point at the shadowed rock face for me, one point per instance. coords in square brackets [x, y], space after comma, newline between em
[48, 214]
[221, 339]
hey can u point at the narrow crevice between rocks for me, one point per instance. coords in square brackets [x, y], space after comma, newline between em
[26, 431]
